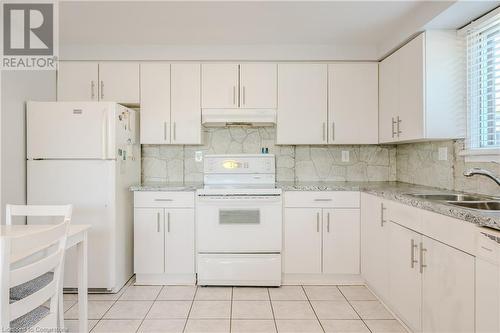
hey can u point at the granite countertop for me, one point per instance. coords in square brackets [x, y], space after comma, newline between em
[396, 191]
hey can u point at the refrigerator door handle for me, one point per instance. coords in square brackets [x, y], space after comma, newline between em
[104, 134]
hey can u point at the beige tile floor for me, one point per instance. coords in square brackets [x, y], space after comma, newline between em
[301, 309]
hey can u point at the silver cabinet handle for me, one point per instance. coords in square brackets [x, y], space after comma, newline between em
[413, 247]
[234, 95]
[92, 90]
[168, 221]
[393, 123]
[158, 222]
[162, 199]
[324, 132]
[165, 131]
[174, 132]
[422, 253]
[322, 199]
[382, 209]
[244, 96]
[102, 89]
[399, 123]
[328, 222]
[333, 131]
[317, 222]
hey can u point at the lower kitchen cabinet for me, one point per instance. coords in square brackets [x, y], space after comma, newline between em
[164, 238]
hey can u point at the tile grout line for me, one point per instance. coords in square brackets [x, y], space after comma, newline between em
[147, 312]
[190, 308]
[349, 302]
[231, 311]
[312, 307]
[272, 310]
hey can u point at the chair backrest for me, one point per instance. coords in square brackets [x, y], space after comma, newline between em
[64, 211]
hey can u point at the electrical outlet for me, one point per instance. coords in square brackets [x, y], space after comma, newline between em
[345, 155]
[443, 153]
[198, 156]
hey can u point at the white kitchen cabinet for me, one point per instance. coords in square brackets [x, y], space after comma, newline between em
[420, 90]
[405, 281]
[119, 82]
[302, 241]
[258, 86]
[179, 241]
[149, 239]
[164, 238]
[353, 103]
[185, 107]
[219, 86]
[341, 237]
[155, 103]
[448, 288]
[302, 104]
[77, 81]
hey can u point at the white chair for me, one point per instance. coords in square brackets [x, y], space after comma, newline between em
[17, 267]
[61, 213]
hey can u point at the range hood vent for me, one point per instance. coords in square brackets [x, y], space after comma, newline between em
[238, 117]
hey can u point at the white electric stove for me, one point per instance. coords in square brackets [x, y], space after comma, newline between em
[239, 222]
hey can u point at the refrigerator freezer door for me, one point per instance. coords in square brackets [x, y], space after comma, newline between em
[70, 130]
[90, 187]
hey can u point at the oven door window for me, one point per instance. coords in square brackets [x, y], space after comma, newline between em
[239, 216]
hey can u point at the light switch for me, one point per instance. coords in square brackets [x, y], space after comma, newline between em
[345, 155]
[198, 156]
[443, 153]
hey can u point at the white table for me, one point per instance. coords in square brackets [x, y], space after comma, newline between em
[77, 236]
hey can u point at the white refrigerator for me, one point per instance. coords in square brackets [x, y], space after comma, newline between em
[88, 154]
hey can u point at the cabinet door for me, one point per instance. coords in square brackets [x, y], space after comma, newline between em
[389, 98]
[405, 280]
[155, 103]
[411, 90]
[219, 86]
[149, 237]
[353, 103]
[258, 86]
[302, 104]
[186, 109]
[448, 289]
[77, 81]
[341, 241]
[302, 241]
[179, 241]
[487, 300]
[119, 82]
[374, 247]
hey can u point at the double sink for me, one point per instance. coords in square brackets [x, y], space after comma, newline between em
[477, 202]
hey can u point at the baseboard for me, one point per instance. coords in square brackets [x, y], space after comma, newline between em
[322, 279]
[165, 279]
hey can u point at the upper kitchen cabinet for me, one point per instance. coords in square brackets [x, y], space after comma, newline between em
[170, 103]
[353, 103]
[92, 81]
[421, 90]
[302, 104]
[77, 81]
[119, 82]
[229, 86]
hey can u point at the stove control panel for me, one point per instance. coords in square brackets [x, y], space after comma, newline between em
[237, 164]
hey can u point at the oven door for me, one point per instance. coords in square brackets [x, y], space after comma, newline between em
[239, 224]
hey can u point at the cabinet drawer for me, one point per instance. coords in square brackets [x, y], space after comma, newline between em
[164, 199]
[404, 215]
[327, 199]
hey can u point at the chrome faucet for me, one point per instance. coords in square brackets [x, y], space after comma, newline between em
[484, 172]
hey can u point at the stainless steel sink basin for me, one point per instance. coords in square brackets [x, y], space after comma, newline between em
[451, 197]
[479, 205]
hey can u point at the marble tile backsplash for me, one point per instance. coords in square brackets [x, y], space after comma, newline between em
[419, 163]
[300, 163]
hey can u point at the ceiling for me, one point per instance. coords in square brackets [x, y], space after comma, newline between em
[369, 28]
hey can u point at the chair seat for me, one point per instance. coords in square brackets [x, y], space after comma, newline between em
[23, 290]
[23, 323]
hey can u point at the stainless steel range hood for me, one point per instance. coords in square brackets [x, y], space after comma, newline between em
[238, 117]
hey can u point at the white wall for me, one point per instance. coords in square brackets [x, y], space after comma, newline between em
[16, 88]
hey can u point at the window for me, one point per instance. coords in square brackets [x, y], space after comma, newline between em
[483, 87]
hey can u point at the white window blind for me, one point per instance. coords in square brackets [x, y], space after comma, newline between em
[483, 85]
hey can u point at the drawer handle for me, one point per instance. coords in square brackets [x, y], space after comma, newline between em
[322, 199]
[164, 199]
[487, 249]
